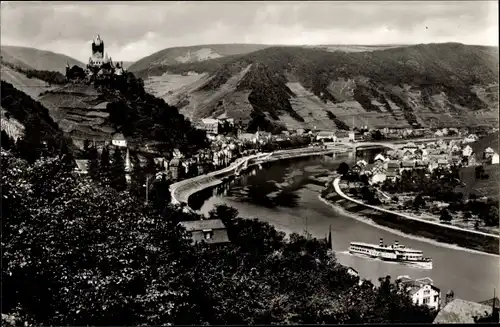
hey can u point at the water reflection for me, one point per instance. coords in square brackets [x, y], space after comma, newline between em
[276, 186]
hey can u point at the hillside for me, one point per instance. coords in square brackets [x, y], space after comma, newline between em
[172, 56]
[430, 85]
[31, 58]
[31, 86]
[96, 111]
[23, 117]
[80, 111]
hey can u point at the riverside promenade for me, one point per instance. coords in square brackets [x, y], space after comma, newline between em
[181, 190]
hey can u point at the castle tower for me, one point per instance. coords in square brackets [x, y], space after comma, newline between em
[96, 59]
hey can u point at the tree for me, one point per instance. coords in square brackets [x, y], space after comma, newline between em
[376, 135]
[479, 170]
[490, 217]
[159, 195]
[31, 147]
[418, 202]
[86, 148]
[118, 180]
[93, 167]
[138, 179]
[343, 168]
[7, 143]
[105, 167]
[467, 216]
[445, 216]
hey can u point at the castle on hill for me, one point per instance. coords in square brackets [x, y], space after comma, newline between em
[100, 66]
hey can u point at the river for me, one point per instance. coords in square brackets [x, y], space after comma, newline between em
[285, 194]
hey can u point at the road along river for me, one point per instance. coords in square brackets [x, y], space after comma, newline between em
[285, 194]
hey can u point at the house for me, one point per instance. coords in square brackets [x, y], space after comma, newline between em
[300, 131]
[456, 160]
[494, 159]
[418, 154]
[392, 165]
[467, 151]
[210, 125]
[174, 167]
[161, 162]
[407, 165]
[442, 163]
[326, 135]
[353, 272]
[356, 168]
[461, 312]
[378, 168]
[352, 136]
[455, 148]
[225, 119]
[410, 146]
[367, 169]
[391, 175]
[407, 153]
[262, 136]
[438, 133]
[421, 164]
[471, 138]
[119, 140]
[362, 163]
[488, 153]
[211, 231]
[379, 159]
[248, 137]
[422, 291]
[378, 178]
[82, 166]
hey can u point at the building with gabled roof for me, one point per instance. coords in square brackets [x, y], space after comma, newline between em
[422, 291]
[462, 312]
[211, 231]
[82, 166]
[488, 152]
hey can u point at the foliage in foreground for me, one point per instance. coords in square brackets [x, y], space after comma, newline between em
[79, 254]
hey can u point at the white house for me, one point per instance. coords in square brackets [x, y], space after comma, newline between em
[378, 178]
[119, 140]
[352, 136]
[326, 135]
[488, 153]
[362, 163]
[422, 291]
[379, 158]
[467, 151]
[494, 159]
[471, 138]
[210, 125]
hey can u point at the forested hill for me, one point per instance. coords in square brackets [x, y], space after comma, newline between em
[422, 85]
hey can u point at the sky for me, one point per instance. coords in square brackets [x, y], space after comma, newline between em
[133, 30]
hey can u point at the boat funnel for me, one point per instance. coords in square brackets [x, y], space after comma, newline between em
[396, 244]
[381, 243]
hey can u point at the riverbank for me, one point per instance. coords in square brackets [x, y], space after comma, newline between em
[451, 235]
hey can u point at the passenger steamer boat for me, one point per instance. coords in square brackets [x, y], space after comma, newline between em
[394, 253]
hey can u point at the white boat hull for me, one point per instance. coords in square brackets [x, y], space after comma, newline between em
[411, 263]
